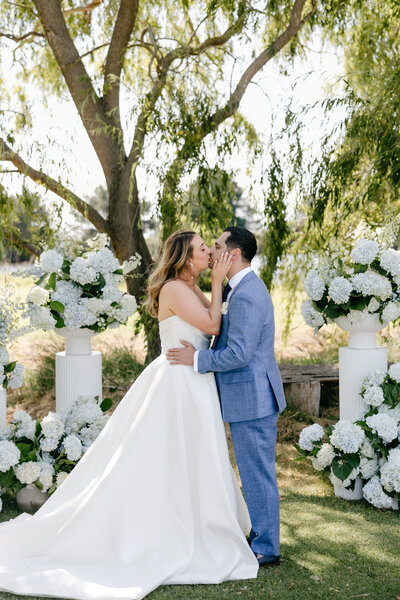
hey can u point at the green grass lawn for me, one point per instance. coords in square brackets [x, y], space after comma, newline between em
[330, 548]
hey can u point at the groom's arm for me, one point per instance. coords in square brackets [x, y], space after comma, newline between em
[246, 320]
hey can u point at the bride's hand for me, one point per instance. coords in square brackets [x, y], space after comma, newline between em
[220, 268]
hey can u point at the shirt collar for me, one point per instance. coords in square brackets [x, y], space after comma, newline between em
[239, 276]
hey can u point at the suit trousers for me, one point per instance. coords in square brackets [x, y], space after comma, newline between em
[254, 445]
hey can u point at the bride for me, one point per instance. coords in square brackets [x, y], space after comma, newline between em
[154, 500]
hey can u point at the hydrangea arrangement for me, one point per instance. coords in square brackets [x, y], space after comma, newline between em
[369, 448]
[11, 372]
[366, 281]
[45, 451]
[78, 287]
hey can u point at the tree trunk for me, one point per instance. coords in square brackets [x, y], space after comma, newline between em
[126, 235]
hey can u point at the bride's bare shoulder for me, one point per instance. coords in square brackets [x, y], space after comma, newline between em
[172, 286]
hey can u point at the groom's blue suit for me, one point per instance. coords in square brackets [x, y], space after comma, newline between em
[251, 395]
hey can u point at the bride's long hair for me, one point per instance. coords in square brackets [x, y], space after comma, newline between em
[171, 263]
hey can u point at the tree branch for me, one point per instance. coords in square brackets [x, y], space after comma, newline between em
[191, 145]
[123, 28]
[7, 154]
[79, 84]
[21, 38]
[85, 8]
[15, 240]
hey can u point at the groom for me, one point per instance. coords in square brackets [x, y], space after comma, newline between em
[249, 384]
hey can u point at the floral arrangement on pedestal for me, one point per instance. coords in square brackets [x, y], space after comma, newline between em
[44, 451]
[78, 287]
[11, 372]
[364, 281]
[369, 448]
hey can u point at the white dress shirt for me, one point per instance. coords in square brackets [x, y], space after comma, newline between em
[233, 282]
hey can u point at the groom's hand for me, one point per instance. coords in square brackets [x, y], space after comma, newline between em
[181, 356]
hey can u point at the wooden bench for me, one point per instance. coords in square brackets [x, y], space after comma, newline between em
[302, 384]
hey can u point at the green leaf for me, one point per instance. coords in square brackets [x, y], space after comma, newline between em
[51, 284]
[10, 367]
[41, 279]
[57, 306]
[106, 404]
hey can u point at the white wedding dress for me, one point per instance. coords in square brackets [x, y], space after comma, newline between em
[154, 501]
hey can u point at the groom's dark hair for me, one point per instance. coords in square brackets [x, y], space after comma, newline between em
[242, 238]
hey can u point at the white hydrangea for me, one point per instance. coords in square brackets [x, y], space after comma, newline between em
[347, 436]
[27, 472]
[9, 455]
[76, 316]
[41, 318]
[391, 312]
[368, 467]
[383, 426]
[393, 413]
[51, 261]
[373, 378]
[52, 429]
[390, 261]
[311, 316]
[96, 306]
[374, 494]
[128, 304]
[111, 294]
[6, 431]
[2, 377]
[313, 433]
[372, 284]
[373, 305]
[82, 272]
[340, 290]
[131, 264]
[394, 372]
[16, 376]
[66, 292]
[390, 471]
[367, 449]
[374, 396]
[73, 447]
[61, 477]
[21, 418]
[347, 482]
[365, 251]
[25, 428]
[316, 464]
[46, 475]
[38, 295]
[88, 434]
[314, 285]
[103, 261]
[83, 411]
[325, 455]
[1, 504]
[4, 356]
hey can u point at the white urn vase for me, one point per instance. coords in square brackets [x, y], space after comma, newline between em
[3, 406]
[78, 368]
[359, 358]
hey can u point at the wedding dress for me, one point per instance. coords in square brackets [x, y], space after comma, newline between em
[153, 501]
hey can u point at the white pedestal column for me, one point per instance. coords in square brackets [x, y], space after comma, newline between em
[78, 369]
[355, 362]
[3, 406]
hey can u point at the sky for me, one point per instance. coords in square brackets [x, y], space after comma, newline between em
[263, 100]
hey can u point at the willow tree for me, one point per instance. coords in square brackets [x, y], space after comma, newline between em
[170, 60]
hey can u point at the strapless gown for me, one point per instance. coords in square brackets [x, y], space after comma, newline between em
[153, 501]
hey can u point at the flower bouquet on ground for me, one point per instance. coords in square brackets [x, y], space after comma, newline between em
[44, 451]
[365, 281]
[369, 448]
[78, 287]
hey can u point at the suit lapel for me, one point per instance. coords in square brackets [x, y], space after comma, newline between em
[247, 277]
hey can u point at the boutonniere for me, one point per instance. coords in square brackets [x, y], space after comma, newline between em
[224, 307]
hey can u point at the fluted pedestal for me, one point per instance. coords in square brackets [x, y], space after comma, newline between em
[355, 362]
[78, 369]
[3, 406]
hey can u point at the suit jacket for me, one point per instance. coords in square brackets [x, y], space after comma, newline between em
[242, 356]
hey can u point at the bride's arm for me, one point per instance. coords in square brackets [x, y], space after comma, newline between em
[183, 302]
